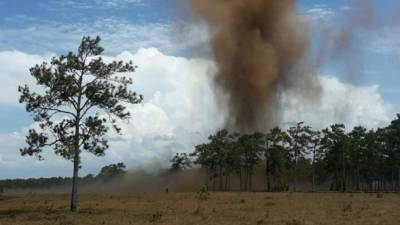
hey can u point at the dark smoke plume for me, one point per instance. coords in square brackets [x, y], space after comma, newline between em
[258, 46]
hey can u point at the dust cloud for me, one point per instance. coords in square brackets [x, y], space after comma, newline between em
[265, 51]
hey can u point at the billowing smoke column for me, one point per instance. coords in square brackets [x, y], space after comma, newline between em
[258, 45]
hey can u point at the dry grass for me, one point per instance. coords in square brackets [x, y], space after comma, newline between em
[219, 208]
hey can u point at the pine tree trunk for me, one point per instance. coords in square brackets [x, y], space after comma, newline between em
[398, 181]
[336, 180]
[246, 179]
[226, 182]
[221, 178]
[358, 179]
[250, 181]
[240, 180]
[214, 180]
[74, 194]
[295, 173]
[267, 174]
[313, 183]
[207, 178]
[344, 180]
[384, 183]
[343, 170]
[313, 172]
[392, 181]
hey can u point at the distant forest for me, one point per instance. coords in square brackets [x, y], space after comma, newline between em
[300, 159]
[296, 159]
[106, 174]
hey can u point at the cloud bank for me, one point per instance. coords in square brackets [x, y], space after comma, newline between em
[179, 112]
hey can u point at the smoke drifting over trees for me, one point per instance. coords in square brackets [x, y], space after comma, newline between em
[258, 46]
[265, 51]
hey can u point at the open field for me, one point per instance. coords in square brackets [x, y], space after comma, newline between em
[220, 208]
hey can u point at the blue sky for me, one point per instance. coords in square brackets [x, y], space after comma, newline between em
[34, 30]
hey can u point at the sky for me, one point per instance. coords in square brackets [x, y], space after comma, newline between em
[179, 110]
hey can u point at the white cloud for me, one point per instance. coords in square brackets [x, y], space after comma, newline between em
[118, 35]
[35, 35]
[13, 165]
[179, 111]
[102, 4]
[320, 13]
[340, 103]
[14, 71]
[116, 3]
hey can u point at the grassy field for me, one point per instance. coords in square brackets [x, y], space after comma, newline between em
[220, 208]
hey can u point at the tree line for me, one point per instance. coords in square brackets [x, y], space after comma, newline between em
[106, 174]
[300, 158]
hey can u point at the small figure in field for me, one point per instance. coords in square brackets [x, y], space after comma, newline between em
[166, 191]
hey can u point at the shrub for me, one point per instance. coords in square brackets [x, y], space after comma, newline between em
[203, 194]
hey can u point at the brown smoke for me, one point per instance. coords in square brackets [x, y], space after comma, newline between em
[258, 45]
[344, 42]
[267, 51]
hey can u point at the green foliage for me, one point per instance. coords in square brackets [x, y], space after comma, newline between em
[112, 171]
[76, 88]
[203, 193]
[181, 161]
[299, 140]
[251, 146]
[81, 97]
[227, 154]
[156, 217]
[276, 157]
[358, 160]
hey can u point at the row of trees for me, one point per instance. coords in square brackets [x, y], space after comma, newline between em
[300, 157]
[106, 174]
